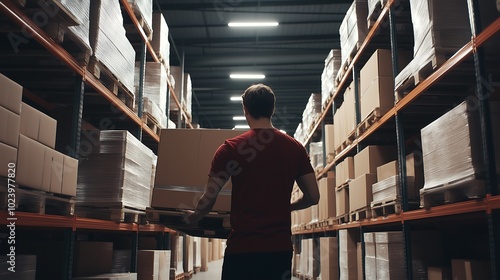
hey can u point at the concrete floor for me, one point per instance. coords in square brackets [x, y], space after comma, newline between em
[214, 272]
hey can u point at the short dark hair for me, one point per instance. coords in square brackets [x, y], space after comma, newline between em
[259, 101]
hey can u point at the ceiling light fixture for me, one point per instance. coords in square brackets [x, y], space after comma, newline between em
[236, 98]
[253, 24]
[239, 118]
[247, 76]
[242, 126]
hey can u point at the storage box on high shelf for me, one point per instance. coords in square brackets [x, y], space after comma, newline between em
[113, 56]
[332, 66]
[454, 167]
[439, 29]
[348, 259]
[353, 31]
[344, 121]
[327, 199]
[160, 42]
[344, 174]
[183, 90]
[143, 10]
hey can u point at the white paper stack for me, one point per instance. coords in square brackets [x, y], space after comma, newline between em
[353, 29]
[390, 256]
[118, 172]
[109, 43]
[438, 26]
[311, 112]
[332, 66]
[389, 189]
[316, 154]
[370, 256]
[299, 134]
[155, 90]
[81, 10]
[348, 256]
[145, 9]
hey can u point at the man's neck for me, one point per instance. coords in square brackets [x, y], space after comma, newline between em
[260, 123]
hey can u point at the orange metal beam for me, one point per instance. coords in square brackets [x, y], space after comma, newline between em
[37, 220]
[446, 210]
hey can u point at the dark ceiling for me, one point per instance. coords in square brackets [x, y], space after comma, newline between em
[291, 55]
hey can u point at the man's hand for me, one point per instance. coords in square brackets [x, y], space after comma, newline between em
[190, 218]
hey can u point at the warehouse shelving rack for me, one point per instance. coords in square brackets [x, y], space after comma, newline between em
[471, 58]
[80, 86]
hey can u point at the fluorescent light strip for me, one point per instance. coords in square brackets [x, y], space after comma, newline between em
[247, 76]
[242, 126]
[239, 118]
[236, 98]
[253, 24]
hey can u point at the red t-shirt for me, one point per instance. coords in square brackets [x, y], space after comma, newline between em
[263, 164]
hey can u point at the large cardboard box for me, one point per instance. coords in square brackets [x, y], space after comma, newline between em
[327, 198]
[164, 265]
[148, 264]
[387, 170]
[344, 171]
[342, 200]
[360, 191]
[11, 94]
[184, 158]
[30, 162]
[378, 65]
[47, 131]
[379, 94]
[38, 126]
[92, 258]
[329, 258]
[9, 156]
[9, 127]
[415, 168]
[52, 171]
[470, 269]
[70, 176]
[372, 157]
[329, 142]
[348, 258]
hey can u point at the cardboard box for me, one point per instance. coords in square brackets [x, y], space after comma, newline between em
[187, 198]
[204, 254]
[329, 258]
[470, 269]
[70, 176]
[360, 191]
[378, 65]
[92, 258]
[387, 170]
[439, 273]
[11, 94]
[342, 201]
[9, 127]
[9, 155]
[379, 94]
[47, 131]
[52, 171]
[359, 254]
[327, 198]
[164, 265]
[148, 264]
[372, 157]
[344, 171]
[188, 254]
[30, 121]
[348, 255]
[30, 162]
[329, 141]
[415, 168]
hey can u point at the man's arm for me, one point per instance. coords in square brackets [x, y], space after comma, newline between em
[206, 201]
[309, 187]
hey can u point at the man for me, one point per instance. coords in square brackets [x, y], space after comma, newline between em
[263, 164]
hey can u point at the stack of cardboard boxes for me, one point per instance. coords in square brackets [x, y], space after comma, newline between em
[348, 260]
[329, 258]
[344, 119]
[332, 66]
[326, 205]
[344, 173]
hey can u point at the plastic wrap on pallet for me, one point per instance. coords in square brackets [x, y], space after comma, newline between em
[316, 154]
[311, 112]
[347, 255]
[353, 28]
[121, 261]
[117, 172]
[437, 26]
[25, 268]
[372, 4]
[388, 189]
[390, 255]
[109, 43]
[145, 9]
[332, 66]
[177, 75]
[451, 148]
[81, 10]
[155, 83]
[160, 42]
[370, 256]
[299, 134]
[154, 111]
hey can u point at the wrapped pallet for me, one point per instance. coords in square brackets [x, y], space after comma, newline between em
[370, 256]
[110, 45]
[81, 11]
[353, 29]
[390, 258]
[372, 7]
[344, 119]
[439, 28]
[155, 91]
[332, 66]
[348, 255]
[329, 258]
[311, 112]
[144, 8]
[160, 42]
[452, 149]
[118, 172]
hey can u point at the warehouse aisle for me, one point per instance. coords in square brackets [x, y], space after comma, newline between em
[214, 272]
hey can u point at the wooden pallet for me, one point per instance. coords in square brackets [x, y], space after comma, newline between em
[197, 269]
[343, 219]
[372, 18]
[360, 214]
[410, 82]
[111, 82]
[112, 213]
[37, 201]
[453, 192]
[346, 143]
[327, 222]
[364, 125]
[188, 275]
[385, 208]
[142, 22]
[151, 122]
